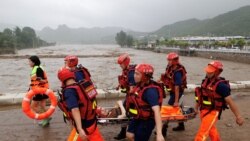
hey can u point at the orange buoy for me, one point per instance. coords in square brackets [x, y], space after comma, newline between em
[28, 97]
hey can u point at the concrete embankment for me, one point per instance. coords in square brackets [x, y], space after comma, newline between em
[14, 99]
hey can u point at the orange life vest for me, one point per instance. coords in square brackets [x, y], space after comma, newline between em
[86, 101]
[168, 77]
[207, 97]
[123, 78]
[37, 82]
[84, 71]
[86, 93]
[137, 107]
[86, 84]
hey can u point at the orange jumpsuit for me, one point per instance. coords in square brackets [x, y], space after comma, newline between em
[208, 126]
[95, 136]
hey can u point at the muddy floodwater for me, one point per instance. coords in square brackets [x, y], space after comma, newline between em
[14, 77]
[14, 74]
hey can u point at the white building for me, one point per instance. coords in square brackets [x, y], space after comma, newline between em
[197, 39]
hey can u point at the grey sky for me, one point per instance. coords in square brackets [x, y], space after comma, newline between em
[139, 15]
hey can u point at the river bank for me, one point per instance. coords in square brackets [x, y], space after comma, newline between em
[104, 70]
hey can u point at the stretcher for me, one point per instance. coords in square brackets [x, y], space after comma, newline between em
[106, 121]
[177, 114]
[168, 114]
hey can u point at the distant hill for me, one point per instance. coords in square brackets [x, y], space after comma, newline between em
[64, 34]
[235, 22]
[232, 23]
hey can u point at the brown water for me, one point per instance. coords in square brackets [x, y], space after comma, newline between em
[14, 74]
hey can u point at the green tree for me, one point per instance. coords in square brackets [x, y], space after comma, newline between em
[17, 31]
[7, 38]
[183, 45]
[248, 43]
[18, 34]
[129, 40]
[141, 43]
[7, 32]
[145, 41]
[28, 37]
[215, 44]
[20, 38]
[232, 42]
[29, 31]
[172, 43]
[157, 42]
[241, 43]
[163, 42]
[121, 38]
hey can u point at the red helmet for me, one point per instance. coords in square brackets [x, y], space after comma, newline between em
[213, 66]
[172, 56]
[65, 74]
[217, 64]
[124, 59]
[71, 60]
[145, 69]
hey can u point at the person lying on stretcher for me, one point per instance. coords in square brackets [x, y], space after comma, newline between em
[118, 111]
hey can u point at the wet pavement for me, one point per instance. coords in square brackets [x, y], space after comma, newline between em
[19, 127]
[15, 126]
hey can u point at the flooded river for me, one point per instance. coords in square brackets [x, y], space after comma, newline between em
[14, 74]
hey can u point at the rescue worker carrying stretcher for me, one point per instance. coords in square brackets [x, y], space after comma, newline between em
[78, 102]
[81, 73]
[126, 84]
[212, 97]
[126, 79]
[143, 104]
[175, 81]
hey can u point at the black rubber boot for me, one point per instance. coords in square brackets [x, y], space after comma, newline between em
[122, 134]
[180, 127]
[164, 130]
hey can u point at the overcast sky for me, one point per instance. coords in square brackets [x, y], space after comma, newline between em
[139, 15]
